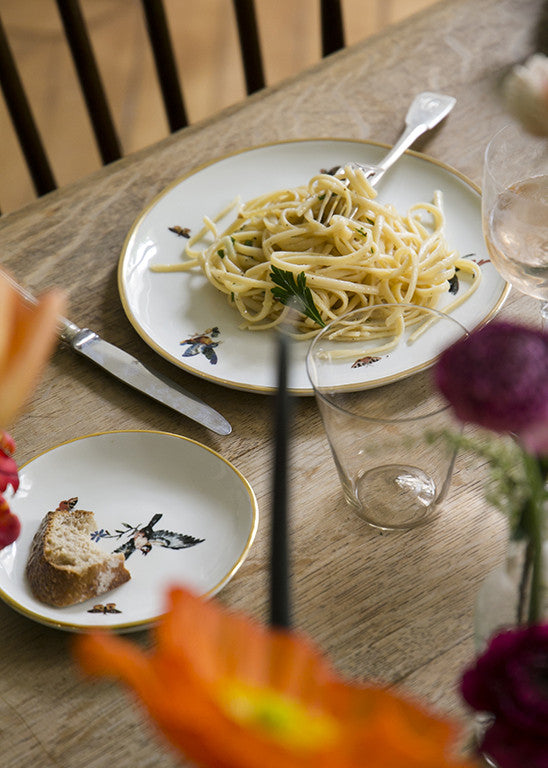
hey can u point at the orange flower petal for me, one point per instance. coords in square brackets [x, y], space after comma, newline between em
[8, 301]
[291, 665]
[105, 655]
[230, 693]
[27, 337]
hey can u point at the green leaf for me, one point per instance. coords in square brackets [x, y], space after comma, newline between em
[291, 291]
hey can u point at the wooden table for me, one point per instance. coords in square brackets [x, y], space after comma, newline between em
[398, 607]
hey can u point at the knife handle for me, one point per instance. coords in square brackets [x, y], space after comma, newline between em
[67, 330]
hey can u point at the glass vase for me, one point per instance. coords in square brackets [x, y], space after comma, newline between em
[502, 603]
[504, 595]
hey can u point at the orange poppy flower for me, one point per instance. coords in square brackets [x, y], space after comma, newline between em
[230, 693]
[27, 336]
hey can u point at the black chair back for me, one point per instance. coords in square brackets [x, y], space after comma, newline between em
[78, 39]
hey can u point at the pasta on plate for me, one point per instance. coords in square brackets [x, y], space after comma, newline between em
[310, 254]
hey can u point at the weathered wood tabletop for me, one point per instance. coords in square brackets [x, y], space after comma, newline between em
[394, 607]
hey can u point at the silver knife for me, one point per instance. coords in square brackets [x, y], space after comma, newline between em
[139, 376]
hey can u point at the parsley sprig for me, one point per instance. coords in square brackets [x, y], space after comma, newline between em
[290, 291]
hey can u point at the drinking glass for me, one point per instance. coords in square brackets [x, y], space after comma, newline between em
[515, 210]
[386, 423]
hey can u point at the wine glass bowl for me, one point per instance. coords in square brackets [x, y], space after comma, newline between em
[515, 210]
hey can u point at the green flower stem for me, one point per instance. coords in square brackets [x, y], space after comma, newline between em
[524, 585]
[531, 528]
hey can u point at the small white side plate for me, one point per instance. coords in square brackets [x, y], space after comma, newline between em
[127, 479]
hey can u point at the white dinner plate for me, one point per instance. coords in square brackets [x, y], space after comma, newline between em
[168, 485]
[187, 321]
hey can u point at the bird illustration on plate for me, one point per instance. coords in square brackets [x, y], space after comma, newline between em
[142, 538]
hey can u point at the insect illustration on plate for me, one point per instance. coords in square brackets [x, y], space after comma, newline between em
[361, 361]
[108, 608]
[202, 343]
[180, 231]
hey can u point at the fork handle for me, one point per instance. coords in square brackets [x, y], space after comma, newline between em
[426, 111]
[408, 137]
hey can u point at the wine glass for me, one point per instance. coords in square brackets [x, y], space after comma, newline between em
[515, 210]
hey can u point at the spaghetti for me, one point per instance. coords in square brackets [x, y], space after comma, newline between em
[333, 240]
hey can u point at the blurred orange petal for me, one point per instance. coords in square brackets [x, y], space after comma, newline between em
[230, 693]
[8, 300]
[102, 654]
[27, 336]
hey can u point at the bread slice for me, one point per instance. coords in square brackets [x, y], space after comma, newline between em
[64, 565]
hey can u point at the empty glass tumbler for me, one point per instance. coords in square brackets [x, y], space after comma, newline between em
[388, 427]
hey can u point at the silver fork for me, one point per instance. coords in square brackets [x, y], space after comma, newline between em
[426, 111]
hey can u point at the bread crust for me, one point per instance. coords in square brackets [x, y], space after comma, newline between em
[60, 585]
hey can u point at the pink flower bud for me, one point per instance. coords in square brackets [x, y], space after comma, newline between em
[526, 93]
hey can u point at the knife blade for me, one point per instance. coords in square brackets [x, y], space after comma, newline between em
[131, 371]
[128, 369]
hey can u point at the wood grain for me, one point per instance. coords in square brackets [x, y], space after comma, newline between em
[395, 608]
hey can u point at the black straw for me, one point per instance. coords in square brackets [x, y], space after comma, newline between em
[280, 612]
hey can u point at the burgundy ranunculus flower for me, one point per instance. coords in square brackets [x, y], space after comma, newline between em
[498, 378]
[510, 681]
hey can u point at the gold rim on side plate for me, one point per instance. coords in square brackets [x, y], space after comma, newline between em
[144, 623]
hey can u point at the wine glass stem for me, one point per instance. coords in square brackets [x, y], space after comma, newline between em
[544, 315]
